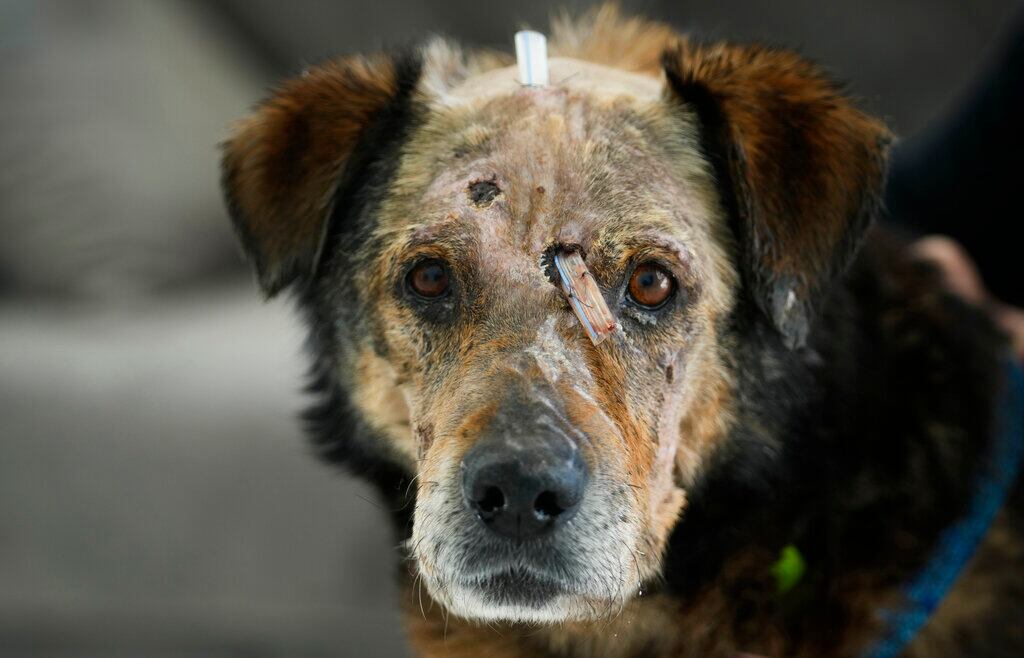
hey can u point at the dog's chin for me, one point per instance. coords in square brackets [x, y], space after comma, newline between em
[515, 596]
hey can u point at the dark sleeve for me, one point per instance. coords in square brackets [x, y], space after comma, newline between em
[964, 177]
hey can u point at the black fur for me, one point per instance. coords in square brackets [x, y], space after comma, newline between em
[338, 433]
[858, 483]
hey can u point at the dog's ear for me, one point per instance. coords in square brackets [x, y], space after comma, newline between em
[285, 167]
[801, 168]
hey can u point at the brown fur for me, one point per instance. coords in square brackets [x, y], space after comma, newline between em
[605, 36]
[801, 158]
[282, 164]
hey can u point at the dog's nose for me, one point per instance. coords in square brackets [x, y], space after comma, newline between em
[522, 489]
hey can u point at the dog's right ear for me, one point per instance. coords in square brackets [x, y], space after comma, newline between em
[285, 167]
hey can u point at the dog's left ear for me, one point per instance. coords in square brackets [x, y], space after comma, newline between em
[801, 168]
[286, 167]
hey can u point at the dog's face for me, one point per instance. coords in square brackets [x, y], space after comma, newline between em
[416, 203]
[546, 465]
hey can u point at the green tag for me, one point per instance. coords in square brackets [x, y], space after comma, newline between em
[789, 568]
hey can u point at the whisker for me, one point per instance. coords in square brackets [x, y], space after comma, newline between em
[419, 594]
[362, 497]
[409, 486]
[636, 563]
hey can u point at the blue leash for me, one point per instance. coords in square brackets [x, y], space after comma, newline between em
[959, 542]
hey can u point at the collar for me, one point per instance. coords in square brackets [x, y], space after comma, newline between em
[958, 542]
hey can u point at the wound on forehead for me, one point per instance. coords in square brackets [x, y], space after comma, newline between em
[481, 193]
[564, 266]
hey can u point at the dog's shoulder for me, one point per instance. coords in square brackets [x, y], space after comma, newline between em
[920, 404]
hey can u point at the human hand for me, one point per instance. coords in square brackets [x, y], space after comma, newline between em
[962, 279]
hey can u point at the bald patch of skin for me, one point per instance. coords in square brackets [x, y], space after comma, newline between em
[566, 74]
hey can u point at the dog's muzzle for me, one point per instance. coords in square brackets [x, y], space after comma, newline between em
[524, 483]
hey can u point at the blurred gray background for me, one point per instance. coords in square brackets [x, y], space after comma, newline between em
[156, 496]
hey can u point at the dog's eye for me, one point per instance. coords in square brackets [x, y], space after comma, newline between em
[428, 279]
[651, 285]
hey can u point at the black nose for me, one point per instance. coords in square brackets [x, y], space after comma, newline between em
[524, 488]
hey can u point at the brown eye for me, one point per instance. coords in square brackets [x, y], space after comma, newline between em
[428, 279]
[651, 285]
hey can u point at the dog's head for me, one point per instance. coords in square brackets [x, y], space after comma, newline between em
[411, 200]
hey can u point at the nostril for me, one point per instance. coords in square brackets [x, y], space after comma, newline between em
[523, 487]
[546, 506]
[491, 501]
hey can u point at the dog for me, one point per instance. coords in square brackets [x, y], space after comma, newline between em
[783, 379]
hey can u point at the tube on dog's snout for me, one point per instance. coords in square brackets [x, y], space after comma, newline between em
[580, 288]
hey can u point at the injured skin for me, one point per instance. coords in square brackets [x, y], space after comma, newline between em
[569, 271]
